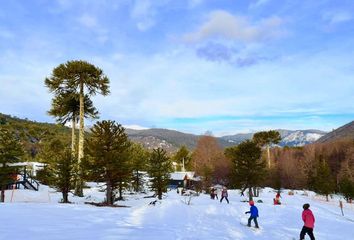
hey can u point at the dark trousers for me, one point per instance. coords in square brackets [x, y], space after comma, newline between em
[227, 200]
[255, 221]
[307, 230]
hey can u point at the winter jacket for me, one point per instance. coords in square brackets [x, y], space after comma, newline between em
[224, 193]
[308, 218]
[253, 211]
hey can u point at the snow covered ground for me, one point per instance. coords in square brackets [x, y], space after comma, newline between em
[172, 218]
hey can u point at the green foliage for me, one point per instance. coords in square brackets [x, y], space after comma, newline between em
[159, 170]
[31, 133]
[72, 74]
[10, 152]
[182, 155]
[78, 77]
[266, 138]
[66, 107]
[324, 182]
[108, 157]
[346, 187]
[139, 162]
[249, 169]
[59, 171]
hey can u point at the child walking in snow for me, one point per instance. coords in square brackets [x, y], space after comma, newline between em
[224, 194]
[309, 222]
[254, 214]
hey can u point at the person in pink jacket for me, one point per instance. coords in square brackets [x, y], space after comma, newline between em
[309, 222]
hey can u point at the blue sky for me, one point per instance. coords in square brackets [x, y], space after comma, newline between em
[226, 66]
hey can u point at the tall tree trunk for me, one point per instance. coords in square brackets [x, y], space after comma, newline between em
[2, 199]
[250, 193]
[79, 183]
[73, 138]
[65, 196]
[159, 193]
[268, 155]
[137, 181]
[109, 193]
[120, 191]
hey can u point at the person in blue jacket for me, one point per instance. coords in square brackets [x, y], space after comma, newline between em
[254, 214]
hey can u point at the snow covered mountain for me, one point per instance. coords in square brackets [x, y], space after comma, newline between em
[290, 138]
[299, 137]
[171, 140]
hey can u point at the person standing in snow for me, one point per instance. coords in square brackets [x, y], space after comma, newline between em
[276, 200]
[224, 194]
[254, 214]
[309, 222]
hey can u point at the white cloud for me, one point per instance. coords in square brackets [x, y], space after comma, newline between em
[337, 17]
[135, 127]
[258, 3]
[223, 25]
[194, 3]
[88, 21]
[143, 13]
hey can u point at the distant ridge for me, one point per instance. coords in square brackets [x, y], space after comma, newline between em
[344, 132]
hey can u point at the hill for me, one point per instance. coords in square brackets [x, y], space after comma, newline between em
[32, 132]
[344, 132]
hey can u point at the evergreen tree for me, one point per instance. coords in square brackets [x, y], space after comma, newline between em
[324, 182]
[60, 165]
[182, 157]
[267, 138]
[139, 162]
[249, 169]
[66, 108]
[78, 76]
[108, 157]
[159, 170]
[10, 152]
[346, 187]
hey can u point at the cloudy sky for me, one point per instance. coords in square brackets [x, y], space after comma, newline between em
[226, 66]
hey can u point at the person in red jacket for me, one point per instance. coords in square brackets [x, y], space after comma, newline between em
[309, 222]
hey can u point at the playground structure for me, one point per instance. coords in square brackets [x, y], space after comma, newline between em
[22, 178]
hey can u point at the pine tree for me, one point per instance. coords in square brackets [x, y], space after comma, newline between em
[78, 76]
[249, 168]
[108, 157]
[60, 165]
[266, 139]
[139, 162]
[346, 187]
[10, 152]
[324, 183]
[182, 157]
[159, 170]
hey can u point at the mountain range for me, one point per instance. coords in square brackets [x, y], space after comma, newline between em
[171, 140]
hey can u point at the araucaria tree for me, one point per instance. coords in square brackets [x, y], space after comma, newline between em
[323, 181]
[108, 157]
[182, 157]
[60, 165]
[159, 170]
[66, 108]
[139, 163]
[267, 139]
[85, 79]
[249, 169]
[10, 152]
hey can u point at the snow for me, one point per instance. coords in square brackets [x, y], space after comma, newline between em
[299, 138]
[172, 218]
